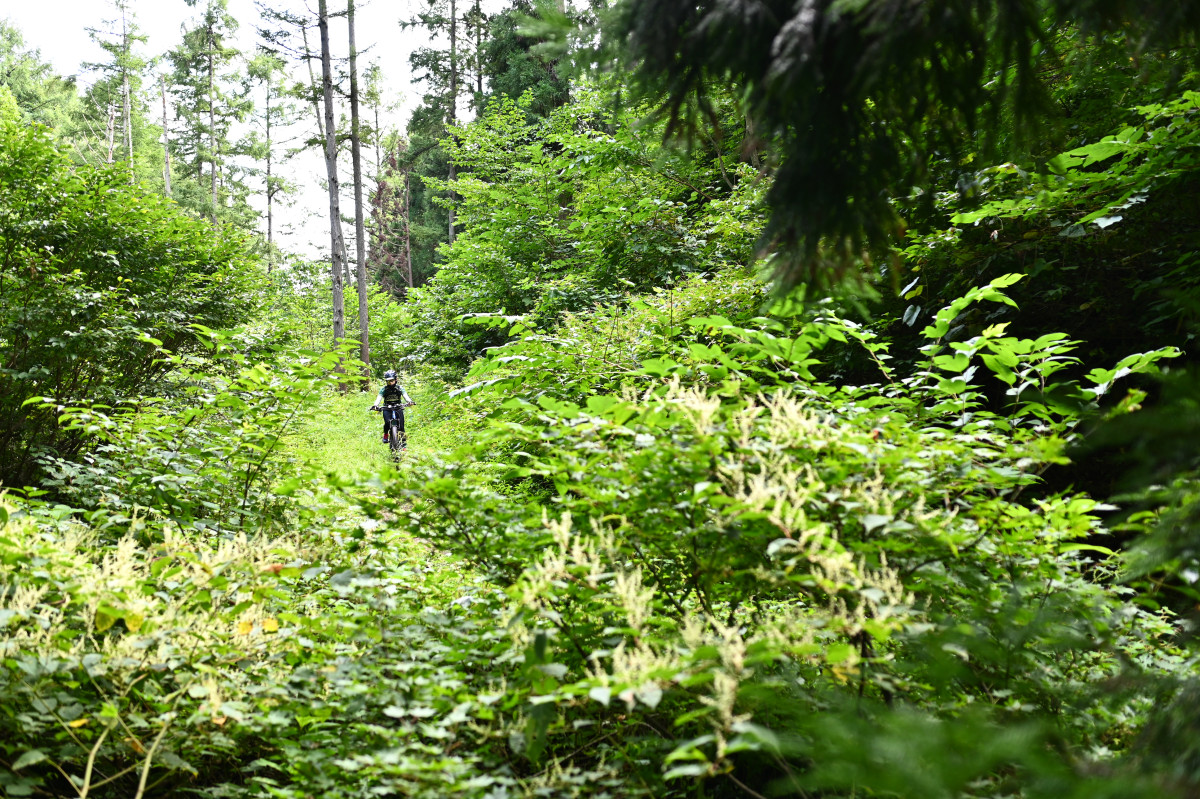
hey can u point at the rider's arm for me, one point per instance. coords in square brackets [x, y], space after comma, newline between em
[406, 397]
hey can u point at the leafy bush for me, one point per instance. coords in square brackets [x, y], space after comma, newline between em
[211, 617]
[208, 458]
[738, 565]
[1105, 232]
[299, 315]
[695, 564]
[248, 666]
[563, 214]
[91, 267]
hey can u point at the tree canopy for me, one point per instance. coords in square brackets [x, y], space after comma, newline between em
[863, 100]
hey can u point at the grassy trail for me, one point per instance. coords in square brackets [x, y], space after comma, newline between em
[343, 437]
[341, 657]
[415, 645]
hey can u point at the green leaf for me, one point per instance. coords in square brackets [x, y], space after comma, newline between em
[649, 694]
[839, 653]
[601, 694]
[1087, 548]
[660, 367]
[28, 759]
[873, 521]
[686, 770]
[107, 616]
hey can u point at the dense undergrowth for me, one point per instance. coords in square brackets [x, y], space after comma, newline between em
[660, 531]
[711, 568]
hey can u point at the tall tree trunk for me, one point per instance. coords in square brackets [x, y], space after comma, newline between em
[110, 131]
[126, 96]
[478, 59]
[360, 228]
[322, 126]
[212, 122]
[407, 228]
[378, 154]
[453, 104]
[162, 83]
[337, 243]
[270, 188]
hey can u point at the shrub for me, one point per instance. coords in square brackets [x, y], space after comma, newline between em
[723, 566]
[92, 267]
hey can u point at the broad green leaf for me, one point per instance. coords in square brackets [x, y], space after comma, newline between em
[29, 758]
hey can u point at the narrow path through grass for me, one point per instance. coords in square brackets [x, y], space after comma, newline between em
[342, 436]
[410, 651]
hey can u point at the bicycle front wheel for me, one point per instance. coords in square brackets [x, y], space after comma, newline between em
[394, 439]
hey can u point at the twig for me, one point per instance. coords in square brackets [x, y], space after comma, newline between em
[658, 579]
[91, 764]
[744, 786]
[150, 755]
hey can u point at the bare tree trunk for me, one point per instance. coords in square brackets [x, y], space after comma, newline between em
[337, 243]
[360, 228]
[270, 188]
[453, 104]
[378, 155]
[478, 58]
[126, 96]
[452, 109]
[166, 136]
[212, 124]
[312, 81]
[110, 131]
[407, 227]
[128, 132]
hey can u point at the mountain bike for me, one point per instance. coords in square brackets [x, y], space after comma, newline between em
[393, 416]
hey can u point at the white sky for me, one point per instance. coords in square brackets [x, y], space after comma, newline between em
[58, 29]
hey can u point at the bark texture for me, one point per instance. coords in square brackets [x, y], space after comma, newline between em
[336, 242]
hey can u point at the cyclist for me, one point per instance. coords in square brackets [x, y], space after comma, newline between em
[392, 394]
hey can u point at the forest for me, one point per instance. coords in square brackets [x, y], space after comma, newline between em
[807, 403]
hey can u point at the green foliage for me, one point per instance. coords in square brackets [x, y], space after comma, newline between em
[862, 98]
[665, 558]
[673, 538]
[428, 222]
[122, 77]
[235, 667]
[204, 458]
[513, 66]
[411, 230]
[94, 272]
[79, 120]
[572, 211]
[298, 314]
[1106, 242]
[208, 604]
[743, 562]
[211, 96]
[1094, 183]
[238, 655]
[40, 94]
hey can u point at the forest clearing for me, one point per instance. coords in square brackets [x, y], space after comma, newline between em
[803, 403]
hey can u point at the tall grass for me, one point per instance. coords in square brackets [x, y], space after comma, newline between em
[341, 436]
